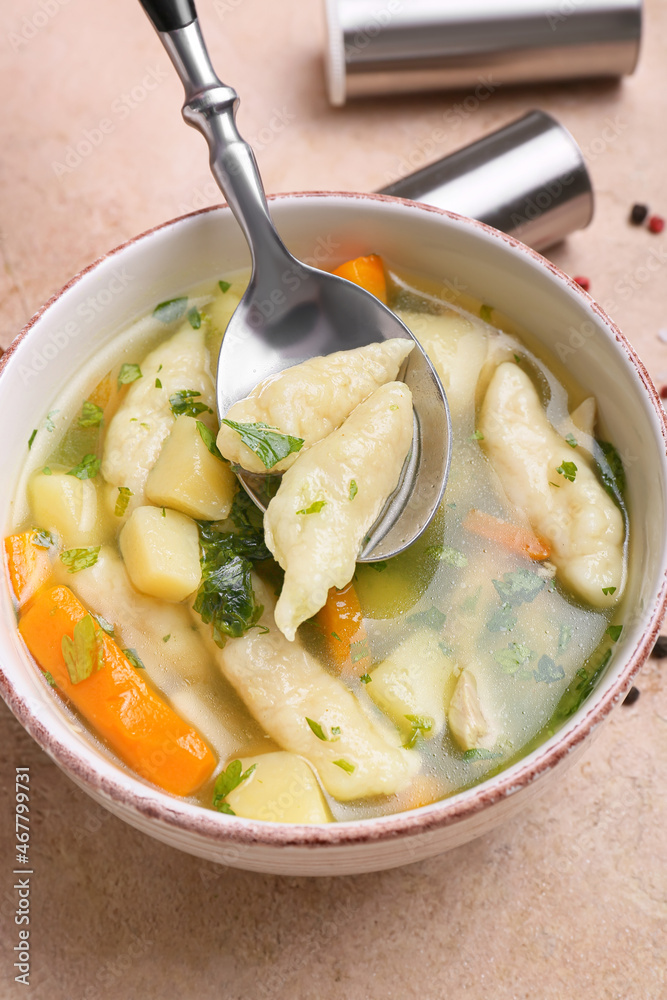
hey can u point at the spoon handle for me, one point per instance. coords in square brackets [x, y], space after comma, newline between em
[210, 106]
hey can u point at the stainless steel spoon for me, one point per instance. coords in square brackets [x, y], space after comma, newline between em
[290, 311]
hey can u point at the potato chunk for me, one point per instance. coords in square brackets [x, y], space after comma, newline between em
[189, 478]
[578, 518]
[144, 419]
[467, 722]
[69, 507]
[312, 399]
[326, 503]
[283, 686]
[281, 789]
[161, 553]
[415, 683]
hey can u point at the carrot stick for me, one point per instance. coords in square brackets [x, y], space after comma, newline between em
[135, 721]
[342, 626]
[519, 540]
[367, 272]
[29, 565]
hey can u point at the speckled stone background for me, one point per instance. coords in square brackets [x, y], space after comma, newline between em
[569, 900]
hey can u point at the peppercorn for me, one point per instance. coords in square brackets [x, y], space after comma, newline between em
[660, 648]
[584, 282]
[638, 214]
[631, 696]
[663, 392]
[656, 223]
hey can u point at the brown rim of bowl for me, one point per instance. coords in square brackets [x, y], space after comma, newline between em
[132, 793]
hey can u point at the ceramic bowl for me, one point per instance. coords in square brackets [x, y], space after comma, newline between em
[81, 320]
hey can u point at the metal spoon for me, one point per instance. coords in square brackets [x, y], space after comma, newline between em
[290, 311]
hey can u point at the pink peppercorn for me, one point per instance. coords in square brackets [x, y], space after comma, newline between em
[656, 223]
[584, 282]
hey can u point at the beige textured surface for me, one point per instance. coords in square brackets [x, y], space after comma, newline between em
[567, 901]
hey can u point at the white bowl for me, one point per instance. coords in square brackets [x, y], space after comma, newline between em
[327, 229]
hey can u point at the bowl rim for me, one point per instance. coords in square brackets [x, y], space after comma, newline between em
[111, 782]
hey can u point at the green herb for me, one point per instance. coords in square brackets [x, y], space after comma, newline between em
[122, 500]
[317, 729]
[267, 442]
[104, 625]
[610, 468]
[208, 438]
[433, 618]
[579, 689]
[445, 649]
[78, 559]
[164, 512]
[345, 765]
[224, 286]
[359, 650]
[48, 677]
[503, 620]
[171, 310]
[614, 632]
[479, 753]
[248, 519]
[225, 598]
[609, 590]
[46, 471]
[476, 436]
[335, 730]
[354, 489]
[564, 636]
[568, 470]
[470, 603]
[194, 318]
[182, 403]
[420, 724]
[336, 636]
[548, 672]
[87, 468]
[147, 426]
[513, 657]
[517, 359]
[50, 423]
[128, 373]
[379, 566]
[571, 440]
[32, 438]
[314, 508]
[166, 638]
[485, 313]
[226, 782]
[444, 553]
[554, 484]
[92, 415]
[365, 678]
[82, 653]
[158, 383]
[134, 659]
[394, 406]
[518, 587]
[42, 539]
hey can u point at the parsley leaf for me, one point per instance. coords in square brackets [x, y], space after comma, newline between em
[208, 438]
[571, 440]
[48, 677]
[87, 468]
[611, 469]
[444, 553]
[158, 383]
[568, 470]
[420, 724]
[128, 373]
[122, 500]
[50, 423]
[82, 653]
[485, 313]
[519, 587]
[379, 566]
[105, 625]
[267, 442]
[317, 729]
[503, 620]
[433, 618]
[548, 671]
[182, 403]
[609, 590]
[365, 678]
[78, 559]
[614, 632]
[513, 657]
[314, 508]
[226, 782]
[224, 286]
[225, 598]
[248, 519]
[32, 438]
[359, 650]
[42, 539]
[171, 310]
[194, 318]
[134, 659]
[564, 636]
[579, 689]
[480, 753]
[476, 436]
[345, 765]
[354, 489]
[92, 415]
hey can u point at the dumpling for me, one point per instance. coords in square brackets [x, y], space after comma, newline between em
[312, 399]
[578, 519]
[327, 501]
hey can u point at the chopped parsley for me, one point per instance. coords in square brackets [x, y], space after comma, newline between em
[317, 729]
[166, 638]
[183, 403]
[548, 672]
[568, 470]
[314, 508]
[379, 566]
[579, 689]
[208, 438]
[50, 423]
[158, 383]
[345, 765]
[82, 653]
[476, 436]
[564, 636]
[122, 500]
[433, 618]
[518, 587]
[226, 782]
[248, 520]
[571, 440]
[420, 724]
[171, 310]
[42, 539]
[224, 286]
[444, 553]
[503, 620]
[365, 678]
[354, 489]
[480, 753]
[485, 313]
[614, 632]
[226, 599]
[517, 358]
[134, 659]
[46, 471]
[268, 443]
[87, 468]
[92, 415]
[609, 590]
[48, 677]
[128, 373]
[359, 650]
[32, 438]
[513, 657]
[78, 559]
[610, 468]
[194, 318]
[104, 625]
[336, 636]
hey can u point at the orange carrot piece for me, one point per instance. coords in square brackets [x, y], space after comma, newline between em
[135, 721]
[519, 540]
[29, 566]
[342, 626]
[367, 272]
